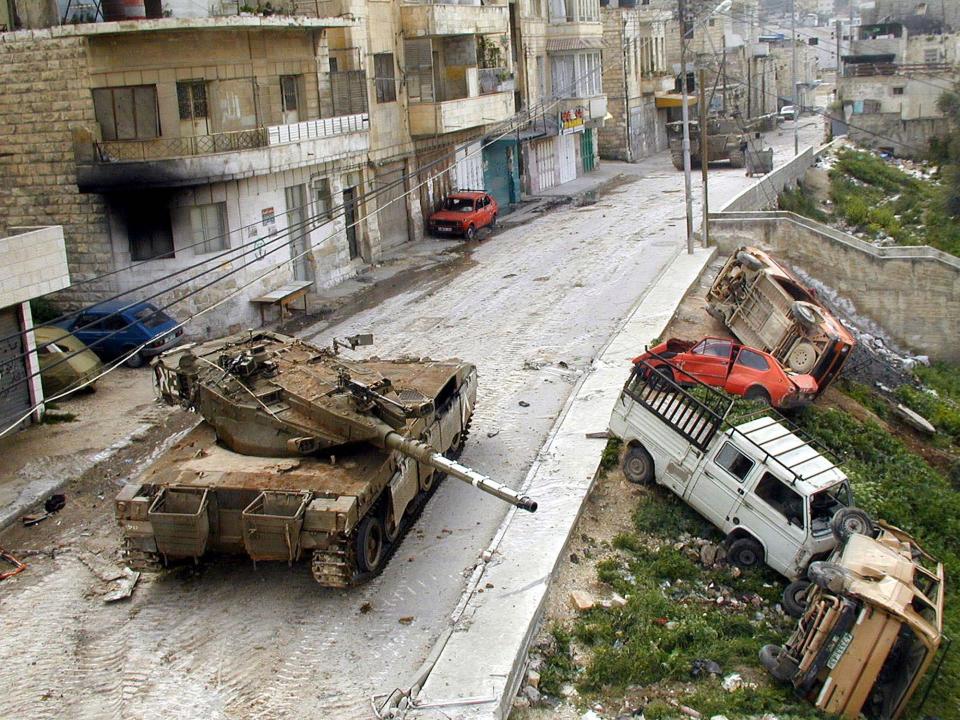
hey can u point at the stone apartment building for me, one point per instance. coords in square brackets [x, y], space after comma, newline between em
[558, 45]
[890, 84]
[636, 81]
[223, 146]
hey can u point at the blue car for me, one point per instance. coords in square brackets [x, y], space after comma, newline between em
[112, 329]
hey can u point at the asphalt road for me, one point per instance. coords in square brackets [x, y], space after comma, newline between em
[529, 306]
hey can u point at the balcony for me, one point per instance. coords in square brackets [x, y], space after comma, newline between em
[171, 162]
[437, 118]
[589, 108]
[574, 25]
[438, 19]
[874, 69]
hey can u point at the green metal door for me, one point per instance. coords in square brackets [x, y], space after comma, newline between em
[586, 150]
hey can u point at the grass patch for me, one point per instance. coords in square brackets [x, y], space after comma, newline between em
[866, 396]
[611, 455]
[55, 418]
[559, 667]
[801, 202]
[942, 406]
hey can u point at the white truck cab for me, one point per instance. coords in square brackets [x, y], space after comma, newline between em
[776, 497]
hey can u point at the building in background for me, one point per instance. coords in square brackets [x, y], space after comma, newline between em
[33, 263]
[635, 71]
[890, 84]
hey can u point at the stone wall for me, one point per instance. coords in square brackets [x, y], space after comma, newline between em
[33, 263]
[762, 195]
[44, 97]
[907, 138]
[913, 293]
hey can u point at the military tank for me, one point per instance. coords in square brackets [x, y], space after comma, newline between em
[300, 452]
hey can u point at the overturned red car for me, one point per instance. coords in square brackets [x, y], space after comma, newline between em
[736, 368]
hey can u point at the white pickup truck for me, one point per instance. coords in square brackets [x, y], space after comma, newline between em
[775, 496]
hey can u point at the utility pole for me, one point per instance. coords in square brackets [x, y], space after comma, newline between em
[838, 31]
[704, 154]
[793, 76]
[626, 90]
[688, 198]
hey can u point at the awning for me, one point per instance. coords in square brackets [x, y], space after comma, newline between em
[580, 43]
[669, 100]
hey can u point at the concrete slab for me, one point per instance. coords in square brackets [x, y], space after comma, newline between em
[477, 667]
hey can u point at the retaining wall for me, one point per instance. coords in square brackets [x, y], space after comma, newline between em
[763, 194]
[913, 293]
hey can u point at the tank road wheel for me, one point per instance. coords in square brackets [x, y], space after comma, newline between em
[746, 553]
[778, 663]
[369, 543]
[677, 158]
[851, 521]
[795, 598]
[391, 523]
[638, 465]
[737, 159]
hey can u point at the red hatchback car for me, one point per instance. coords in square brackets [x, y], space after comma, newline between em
[463, 213]
[738, 369]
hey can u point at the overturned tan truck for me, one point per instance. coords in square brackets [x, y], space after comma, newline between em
[873, 626]
[301, 452]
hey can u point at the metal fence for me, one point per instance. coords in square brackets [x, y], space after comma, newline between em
[170, 148]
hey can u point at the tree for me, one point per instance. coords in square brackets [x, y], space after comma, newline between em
[945, 151]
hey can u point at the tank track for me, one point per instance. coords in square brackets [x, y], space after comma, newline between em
[336, 566]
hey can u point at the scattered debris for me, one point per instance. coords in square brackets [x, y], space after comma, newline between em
[523, 403]
[493, 433]
[365, 608]
[735, 681]
[604, 435]
[582, 600]
[123, 586]
[18, 567]
[532, 694]
[702, 668]
[53, 505]
[915, 420]
[406, 620]
[533, 679]
[690, 712]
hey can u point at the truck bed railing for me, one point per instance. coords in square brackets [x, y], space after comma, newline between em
[697, 417]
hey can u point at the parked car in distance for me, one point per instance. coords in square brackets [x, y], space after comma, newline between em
[786, 112]
[765, 306]
[738, 369]
[65, 362]
[464, 213]
[871, 628]
[112, 329]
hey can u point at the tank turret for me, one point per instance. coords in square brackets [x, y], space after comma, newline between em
[302, 449]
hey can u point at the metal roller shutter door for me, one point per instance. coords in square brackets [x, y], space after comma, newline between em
[392, 217]
[14, 388]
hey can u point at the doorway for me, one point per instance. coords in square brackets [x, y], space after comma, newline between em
[300, 254]
[350, 221]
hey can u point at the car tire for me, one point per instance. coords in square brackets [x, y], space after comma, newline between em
[493, 222]
[802, 313]
[134, 361]
[827, 576]
[745, 553]
[851, 521]
[471, 233]
[637, 465]
[776, 662]
[659, 378]
[795, 597]
[749, 261]
[757, 394]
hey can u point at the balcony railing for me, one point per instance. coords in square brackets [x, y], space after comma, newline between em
[494, 80]
[875, 69]
[236, 141]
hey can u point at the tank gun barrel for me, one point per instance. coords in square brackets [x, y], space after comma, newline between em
[428, 456]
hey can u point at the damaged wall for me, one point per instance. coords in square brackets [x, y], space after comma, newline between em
[912, 293]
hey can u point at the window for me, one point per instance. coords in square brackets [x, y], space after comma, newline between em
[576, 75]
[149, 232]
[734, 461]
[752, 360]
[152, 317]
[781, 498]
[127, 113]
[384, 77]
[209, 225]
[931, 55]
[813, 41]
[713, 22]
[713, 348]
[898, 90]
[192, 99]
[101, 323]
[458, 204]
[333, 64]
[290, 93]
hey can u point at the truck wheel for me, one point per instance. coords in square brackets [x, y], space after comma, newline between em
[757, 394]
[746, 553]
[827, 576]
[851, 521]
[795, 598]
[776, 662]
[134, 361]
[802, 357]
[660, 378]
[804, 315]
[369, 543]
[638, 465]
[749, 261]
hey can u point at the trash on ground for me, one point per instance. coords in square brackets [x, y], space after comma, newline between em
[735, 681]
[582, 600]
[123, 586]
[18, 567]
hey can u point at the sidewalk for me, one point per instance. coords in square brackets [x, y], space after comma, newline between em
[476, 668]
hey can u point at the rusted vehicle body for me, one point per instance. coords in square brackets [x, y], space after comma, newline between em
[872, 628]
[766, 306]
[301, 453]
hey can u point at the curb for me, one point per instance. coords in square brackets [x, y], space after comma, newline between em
[475, 669]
